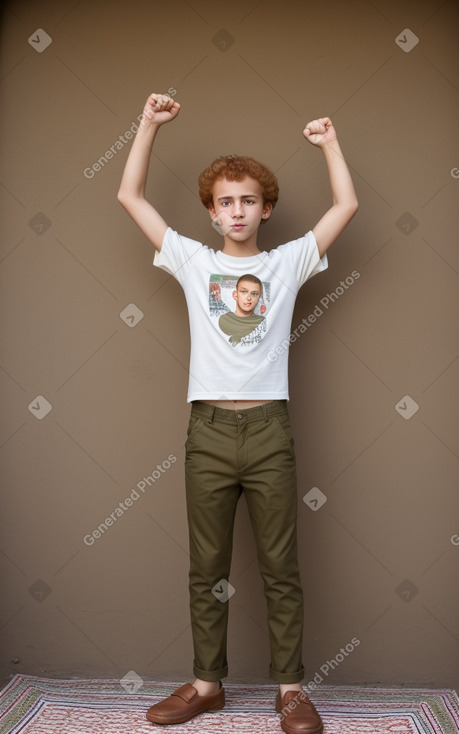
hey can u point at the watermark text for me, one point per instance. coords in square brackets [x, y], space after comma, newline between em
[128, 502]
[318, 311]
[119, 144]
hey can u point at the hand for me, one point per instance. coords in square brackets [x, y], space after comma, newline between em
[320, 132]
[159, 108]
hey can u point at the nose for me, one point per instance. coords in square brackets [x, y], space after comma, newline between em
[237, 209]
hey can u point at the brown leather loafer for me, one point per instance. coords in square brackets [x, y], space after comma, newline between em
[298, 714]
[183, 704]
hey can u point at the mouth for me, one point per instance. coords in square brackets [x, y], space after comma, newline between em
[237, 227]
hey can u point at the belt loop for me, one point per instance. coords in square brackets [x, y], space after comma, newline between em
[264, 409]
[211, 416]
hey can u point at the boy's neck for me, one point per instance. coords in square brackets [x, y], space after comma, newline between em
[249, 248]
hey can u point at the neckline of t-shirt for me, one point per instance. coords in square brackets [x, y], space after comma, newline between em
[251, 259]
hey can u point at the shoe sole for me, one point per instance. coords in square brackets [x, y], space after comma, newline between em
[292, 730]
[181, 720]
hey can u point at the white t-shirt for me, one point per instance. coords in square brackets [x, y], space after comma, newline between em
[232, 356]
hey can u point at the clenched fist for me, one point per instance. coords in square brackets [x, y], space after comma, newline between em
[159, 108]
[319, 132]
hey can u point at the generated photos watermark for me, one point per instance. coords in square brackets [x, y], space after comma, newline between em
[319, 677]
[90, 538]
[223, 590]
[314, 499]
[40, 40]
[407, 407]
[318, 311]
[131, 682]
[119, 144]
[330, 665]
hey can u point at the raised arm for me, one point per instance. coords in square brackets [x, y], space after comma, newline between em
[322, 134]
[159, 109]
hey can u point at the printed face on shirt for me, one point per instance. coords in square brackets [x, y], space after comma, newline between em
[237, 306]
[246, 296]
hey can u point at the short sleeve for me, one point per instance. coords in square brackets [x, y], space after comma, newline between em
[176, 254]
[304, 257]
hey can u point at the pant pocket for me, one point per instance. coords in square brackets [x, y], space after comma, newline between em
[194, 424]
[282, 423]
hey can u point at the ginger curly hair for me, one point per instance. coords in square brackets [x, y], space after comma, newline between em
[236, 168]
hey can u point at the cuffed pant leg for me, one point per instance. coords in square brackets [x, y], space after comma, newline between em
[212, 493]
[270, 487]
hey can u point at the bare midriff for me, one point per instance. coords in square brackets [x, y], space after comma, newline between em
[236, 404]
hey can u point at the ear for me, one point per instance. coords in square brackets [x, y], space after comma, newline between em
[211, 210]
[267, 209]
[235, 295]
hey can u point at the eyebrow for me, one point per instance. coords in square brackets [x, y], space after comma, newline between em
[243, 196]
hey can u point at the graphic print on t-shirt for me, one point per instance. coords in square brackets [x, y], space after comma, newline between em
[238, 306]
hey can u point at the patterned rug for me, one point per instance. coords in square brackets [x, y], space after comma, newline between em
[33, 705]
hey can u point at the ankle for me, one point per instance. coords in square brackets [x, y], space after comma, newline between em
[284, 687]
[205, 687]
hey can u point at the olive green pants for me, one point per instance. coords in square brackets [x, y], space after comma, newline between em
[229, 452]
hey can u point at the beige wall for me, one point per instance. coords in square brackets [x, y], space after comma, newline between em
[379, 559]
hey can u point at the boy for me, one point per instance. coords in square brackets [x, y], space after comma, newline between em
[239, 436]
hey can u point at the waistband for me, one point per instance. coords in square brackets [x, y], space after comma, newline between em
[222, 415]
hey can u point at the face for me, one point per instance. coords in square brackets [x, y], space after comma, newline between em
[246, 296]
[239, 207]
